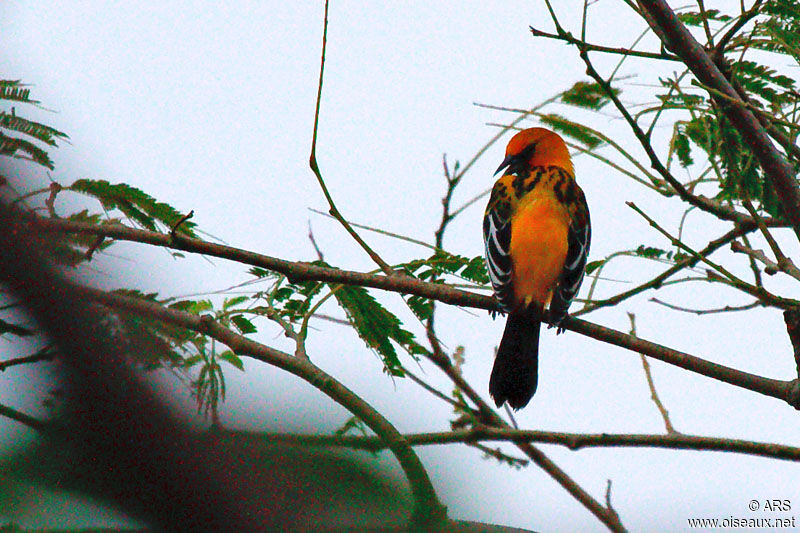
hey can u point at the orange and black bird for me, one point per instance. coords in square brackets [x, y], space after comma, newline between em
[537, 233]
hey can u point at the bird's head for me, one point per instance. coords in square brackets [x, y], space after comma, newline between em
[536, 147]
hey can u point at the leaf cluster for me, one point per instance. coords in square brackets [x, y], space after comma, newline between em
[21, 137]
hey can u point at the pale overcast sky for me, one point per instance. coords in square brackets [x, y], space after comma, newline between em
[209, 106]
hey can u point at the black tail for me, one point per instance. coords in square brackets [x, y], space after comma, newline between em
[516, 366]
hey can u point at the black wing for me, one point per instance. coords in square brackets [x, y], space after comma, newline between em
[579, 238]
[497, 238]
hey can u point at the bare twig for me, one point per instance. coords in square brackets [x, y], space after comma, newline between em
[569, 38]
[41, 355]
[726, 309]
[792, 319]
[22, 418]
[744, 18]
[312, 161]
[651, 384]
[660, 280]
[179, 223]
[770, 267]
[724, 274]
[55, 188]
[314, 242]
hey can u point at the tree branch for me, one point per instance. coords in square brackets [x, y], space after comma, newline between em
[22, 418]
[312, 161]
[655, 283]
[573, 441]
[569, 38]
[788, 391]
[681, 42]
[428, 509]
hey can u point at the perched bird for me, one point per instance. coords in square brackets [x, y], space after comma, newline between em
[537, 232]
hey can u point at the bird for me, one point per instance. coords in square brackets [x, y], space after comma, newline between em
[537, 232]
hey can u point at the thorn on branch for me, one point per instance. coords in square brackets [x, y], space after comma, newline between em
[608, 501]
[174, 230]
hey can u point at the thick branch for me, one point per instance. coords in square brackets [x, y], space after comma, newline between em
[783, 390]
[681, 42]
[573, 441]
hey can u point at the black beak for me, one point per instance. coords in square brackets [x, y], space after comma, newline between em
[506, 162]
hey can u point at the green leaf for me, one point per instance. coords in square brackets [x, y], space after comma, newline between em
[679, 100]
[243, 325]
[587, 94]
[262, 273]
[475, 270]
[233, 359]
[43, 133]
[650, 252]
[680, 145]
[376, 326]
[232, 302]
[10, 146]
[591, 266]
[422, 307]
[195, 307]
[16, 91]
[694, 18]
[193, 360]
[134, 203]
[442, 262]
[571, 129]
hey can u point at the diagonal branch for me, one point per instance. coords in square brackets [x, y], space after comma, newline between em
[22, 418]
[428, 509]
[655, 283]
[681, 42]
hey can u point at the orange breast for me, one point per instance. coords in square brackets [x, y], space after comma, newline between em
[538, 247]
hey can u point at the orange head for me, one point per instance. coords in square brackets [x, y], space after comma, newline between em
[536, 147]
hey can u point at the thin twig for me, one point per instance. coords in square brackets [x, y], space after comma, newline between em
[771, 267]
[726, 309]
[314, 242]
[312, 161]
[569, 38]
[660, 280]
[45, 354]
[22, 418]
[759, 292]
[651, 384]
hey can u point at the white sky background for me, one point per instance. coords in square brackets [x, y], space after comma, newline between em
[210, 107]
